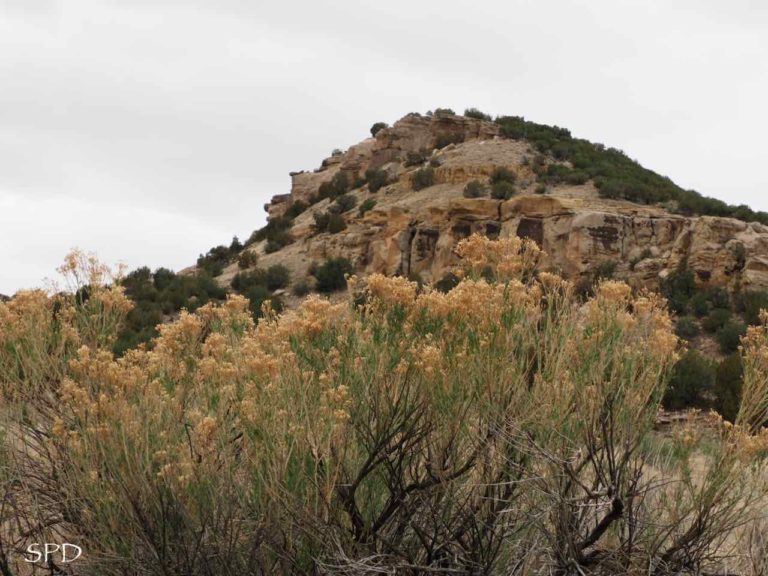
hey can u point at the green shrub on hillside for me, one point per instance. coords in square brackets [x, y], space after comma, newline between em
[700, 304]
[366, 206]
[301, 288]
[477, 114]
[423, 178]
[157, 296]
[728, 383]
[295, 209]
[328, 222]
[330, 275]
[729, 336]
[214, 260]
[336, 223]
[693, 378]
[444, 140]
[277, 232]
[415, 159]
[276, 277]
[687, 328]
[336, 186]
[344, 203]
[244, 281]
[257, 296]
[503, 190]
[378, 127]
[678, 288]
[502, 174]
[474, 189]
[376, 179]
[716, 319]
[614, 173]
[247, 259]
[447, 282]
[753, 302]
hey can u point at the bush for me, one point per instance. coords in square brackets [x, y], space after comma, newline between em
[444, 112]
[329, 222]
[247, 259]
[716, 320]
[444, 140]
[276, 277]
[693, 378]
[336, 223]
[336, 186]
[321, 221]
[378, 127]
[413, 424]
[214, 260]
[700, 305]
[301, 288]
[244, 281]
[423, 178]
[678, 288]
[540, 189]
[415, 159]
[330, 275]
[277, 231]
[366, 206]
[295, 209]
[163, 279]
[502, 174]
[753, 302]
[155, 296]
[728, 383]
[474, 189]
[257, 296]
[687, 328]
[729, 336]
[376, 179]
[477, 114]
[272, 246]
[447, 282]
[503, 190]
[719, 297]
[605, 270]
[345, 202]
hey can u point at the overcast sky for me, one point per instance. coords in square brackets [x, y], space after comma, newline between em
[151, 130]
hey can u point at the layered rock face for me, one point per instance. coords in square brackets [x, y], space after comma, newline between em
[414, 233]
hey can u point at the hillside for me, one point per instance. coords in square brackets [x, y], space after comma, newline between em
[397, 205]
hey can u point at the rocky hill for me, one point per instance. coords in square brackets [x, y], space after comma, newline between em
[397, 203]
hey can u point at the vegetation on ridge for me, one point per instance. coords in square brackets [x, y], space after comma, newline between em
[614, 173]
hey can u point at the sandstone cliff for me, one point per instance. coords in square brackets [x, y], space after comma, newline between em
[414, 232]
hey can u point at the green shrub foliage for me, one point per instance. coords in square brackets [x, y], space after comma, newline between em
[330, 275]
[423, 178]
[614, 173]
[728, 383]
[474, 189]
[693, 378]
[378, 127]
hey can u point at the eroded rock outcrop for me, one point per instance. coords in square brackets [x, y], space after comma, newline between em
[415, 232]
